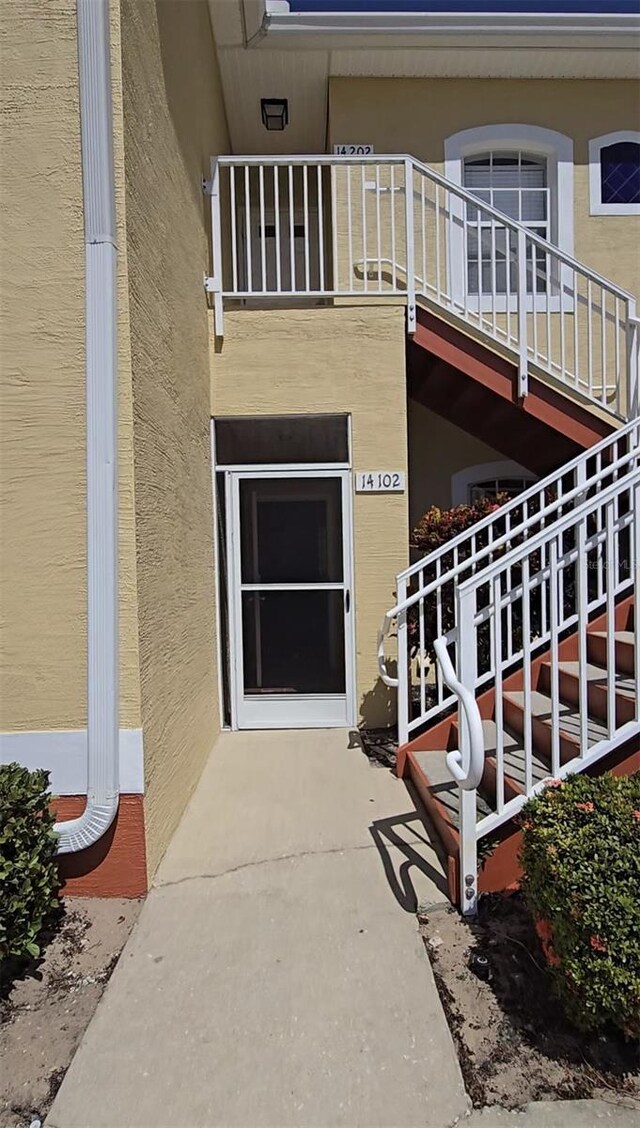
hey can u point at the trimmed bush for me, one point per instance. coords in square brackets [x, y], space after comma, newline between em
[581, 862]
[28, 869]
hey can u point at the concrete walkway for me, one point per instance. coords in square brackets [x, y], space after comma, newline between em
[275, 977]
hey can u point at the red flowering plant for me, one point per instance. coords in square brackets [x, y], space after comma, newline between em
[434, 530]
[581, 862]
[440, 526]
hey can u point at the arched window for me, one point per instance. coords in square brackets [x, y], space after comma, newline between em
[525, 171]
[488, 479]
[614, 174]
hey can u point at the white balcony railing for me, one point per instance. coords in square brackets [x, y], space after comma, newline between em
[320, 228]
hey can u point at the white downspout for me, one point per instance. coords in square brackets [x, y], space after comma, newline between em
[94, 66]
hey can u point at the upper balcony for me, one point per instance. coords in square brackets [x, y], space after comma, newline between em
[369, 228]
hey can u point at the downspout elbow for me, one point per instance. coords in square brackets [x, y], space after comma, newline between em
[76, 834]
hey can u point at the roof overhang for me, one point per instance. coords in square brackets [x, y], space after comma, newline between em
[267, 49]
[282, 26]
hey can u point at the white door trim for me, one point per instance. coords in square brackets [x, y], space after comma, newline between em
[301, 710]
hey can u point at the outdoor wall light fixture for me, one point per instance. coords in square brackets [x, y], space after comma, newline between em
[274, 112]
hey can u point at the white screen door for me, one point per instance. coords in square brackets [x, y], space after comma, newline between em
[290, 598]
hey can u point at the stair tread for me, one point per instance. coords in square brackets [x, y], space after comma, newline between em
[443, 787]
[513, 755]
[619, 636]
[598, 676]
[568, 715]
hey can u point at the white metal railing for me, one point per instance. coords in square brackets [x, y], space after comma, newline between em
[582, 564]
[514, 585]
[426, 607]
[316, 228]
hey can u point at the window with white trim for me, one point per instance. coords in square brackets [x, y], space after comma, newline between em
[515, 183]
[534, 186]
[493, 487]
[488, 479]
[614, 174]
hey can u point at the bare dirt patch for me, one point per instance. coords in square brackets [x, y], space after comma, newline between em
[513, 1041]
[45, 1011]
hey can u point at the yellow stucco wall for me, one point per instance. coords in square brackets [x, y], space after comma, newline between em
[415, 115]
[347, 359]
[174, 121]
[438, 450]
[42, 413]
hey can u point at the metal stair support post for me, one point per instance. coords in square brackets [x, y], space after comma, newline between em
[404, 680]
[215, 283]
[635, 556]
[523, 357]
[467, 667]
[409, 231]
[633, 360]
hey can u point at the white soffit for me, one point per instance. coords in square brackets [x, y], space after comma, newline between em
[302, 78]
[260, 56]
[499, 62]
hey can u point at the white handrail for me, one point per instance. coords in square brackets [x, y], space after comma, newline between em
[467, 771]
[296, 235]
[538, 488]
[602, 532]
[387, 678]
[436, 178]
[561, 524]
[548, 510]
[431, 609]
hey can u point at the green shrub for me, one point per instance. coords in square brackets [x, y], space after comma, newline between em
[581, 862]
[28, 870]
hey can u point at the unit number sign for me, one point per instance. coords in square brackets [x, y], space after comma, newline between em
[352, 150]
[380, 481]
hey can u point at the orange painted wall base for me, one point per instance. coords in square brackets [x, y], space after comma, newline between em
[116, 865]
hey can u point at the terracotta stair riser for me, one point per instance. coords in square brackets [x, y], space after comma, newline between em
[488, 781]
[541, 734]
[597, 653]
[448, 832]
[511, 787]
[597, 696]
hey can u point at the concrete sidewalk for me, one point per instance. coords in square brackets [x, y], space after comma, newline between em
[275, 976]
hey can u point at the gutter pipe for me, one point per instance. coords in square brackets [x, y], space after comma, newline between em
[96, 125]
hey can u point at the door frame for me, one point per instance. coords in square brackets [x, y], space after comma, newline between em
[232, 477]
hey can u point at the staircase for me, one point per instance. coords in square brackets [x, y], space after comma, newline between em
[519, 656]
[466, 383]
[518, 642]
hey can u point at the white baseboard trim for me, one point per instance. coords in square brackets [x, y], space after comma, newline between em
[64, 755]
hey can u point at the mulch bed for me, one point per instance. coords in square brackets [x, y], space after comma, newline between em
[380, 746]
[46, 1004]
[513, 1041]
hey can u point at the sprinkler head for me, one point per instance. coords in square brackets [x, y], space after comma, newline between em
[480, 967]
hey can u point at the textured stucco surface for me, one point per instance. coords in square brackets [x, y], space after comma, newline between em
[437, 450]
[346, 359]
[43, 564]
[415, 115]
[174, 121]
